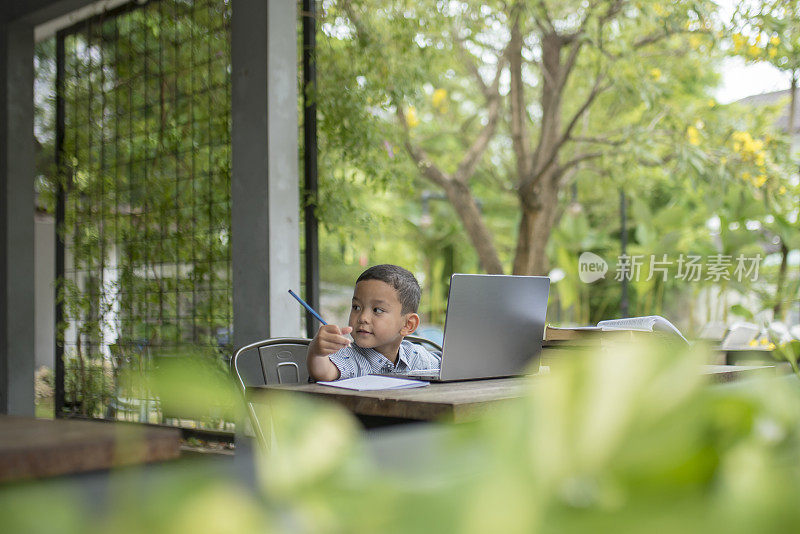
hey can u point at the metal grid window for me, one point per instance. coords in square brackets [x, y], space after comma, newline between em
[143, 144]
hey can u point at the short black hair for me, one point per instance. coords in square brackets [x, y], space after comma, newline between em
[406, 285]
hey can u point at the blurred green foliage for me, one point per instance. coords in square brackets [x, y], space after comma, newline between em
[627, 438]
[193, 385]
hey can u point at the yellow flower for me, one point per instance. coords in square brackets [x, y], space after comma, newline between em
[411, 117]
[782, 190]
[767, 343]
[738, 41]
[655, 74]
[712, 102]
[439, 97]
[773, 52]
[750, 149]
[695, 42]
[774, 40]
[741, 137]
[693, 135]
[753, 343]
[746, 176]
[760, 180]
[754, 51]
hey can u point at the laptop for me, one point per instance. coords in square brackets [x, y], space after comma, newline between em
[493, 327]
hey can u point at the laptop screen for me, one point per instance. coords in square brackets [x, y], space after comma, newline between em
[494, 325]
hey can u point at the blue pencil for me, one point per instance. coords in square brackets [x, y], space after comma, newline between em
[306, 306]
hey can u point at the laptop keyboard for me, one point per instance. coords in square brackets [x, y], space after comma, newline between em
[420, 373]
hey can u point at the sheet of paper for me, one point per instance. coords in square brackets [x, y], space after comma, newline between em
[374, 382]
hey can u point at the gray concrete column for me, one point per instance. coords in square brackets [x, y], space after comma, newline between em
[264, 183]
[17, 169]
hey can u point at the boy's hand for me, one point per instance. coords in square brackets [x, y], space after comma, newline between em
[328, 340]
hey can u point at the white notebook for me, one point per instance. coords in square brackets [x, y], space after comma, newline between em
[374, 382]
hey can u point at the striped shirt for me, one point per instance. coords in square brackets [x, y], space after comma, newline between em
[355, 361]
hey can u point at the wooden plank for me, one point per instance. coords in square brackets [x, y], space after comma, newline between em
[453, 401]
[33, 448]
[732, 373]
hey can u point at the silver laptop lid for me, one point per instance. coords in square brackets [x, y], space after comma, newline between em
[494, 325]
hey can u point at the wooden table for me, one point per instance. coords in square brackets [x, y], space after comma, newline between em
[456, 401]
[452, 401]
[733, 373]
[740, 355]
[33, 448]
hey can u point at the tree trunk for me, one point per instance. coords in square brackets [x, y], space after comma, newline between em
[466, 207]
[538, 219]
[538, 191]
[777, 310]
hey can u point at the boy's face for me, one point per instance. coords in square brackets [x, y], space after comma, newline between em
[377, 319]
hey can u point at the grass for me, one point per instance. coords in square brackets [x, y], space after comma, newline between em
[45, 408]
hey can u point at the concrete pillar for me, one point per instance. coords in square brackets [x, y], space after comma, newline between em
[265, 184]
[17, 286]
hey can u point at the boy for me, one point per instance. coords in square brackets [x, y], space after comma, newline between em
[384, 311]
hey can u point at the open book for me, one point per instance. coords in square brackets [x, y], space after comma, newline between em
[649, 323]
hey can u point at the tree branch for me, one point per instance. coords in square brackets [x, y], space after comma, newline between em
[541, 8]
[519, 132]
[575, 48]
[467, 166]
[656, 37]
[597, 88]
[567, 174]
[580, 159]
[656, 163]
[361, 33]
[420, 157]
[598, 140]
[613, 10]
[466, 59]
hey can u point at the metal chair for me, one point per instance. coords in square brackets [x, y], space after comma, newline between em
[279, 361]
[270, 361]
[427, 343]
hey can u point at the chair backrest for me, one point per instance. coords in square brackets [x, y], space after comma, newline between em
[271, 361]
[282, 360]
[427, 343]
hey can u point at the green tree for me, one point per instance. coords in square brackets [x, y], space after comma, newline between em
[503, 94]
[769, 31]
